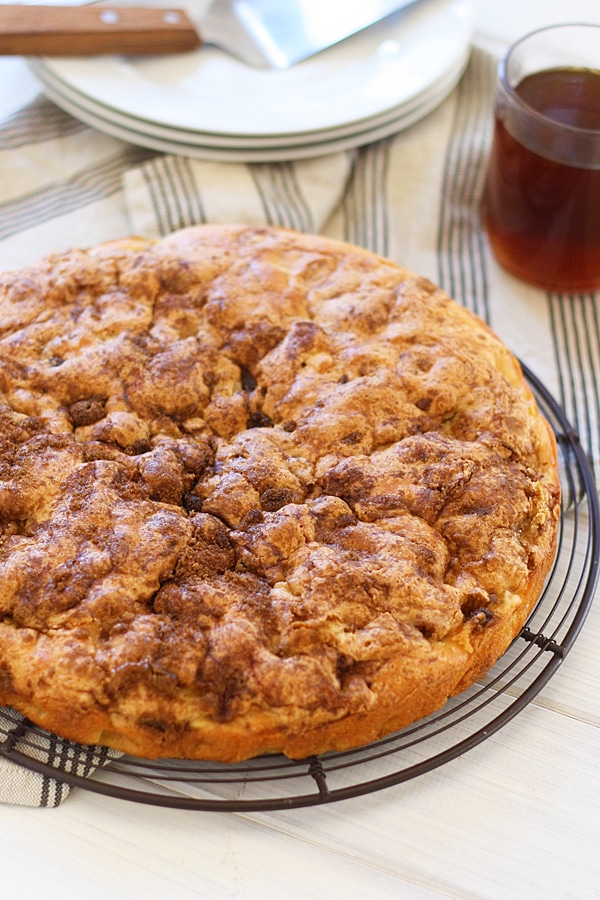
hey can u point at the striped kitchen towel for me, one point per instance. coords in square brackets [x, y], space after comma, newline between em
[39, 786]
[413, 197]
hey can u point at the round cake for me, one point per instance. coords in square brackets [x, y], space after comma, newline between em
[260, 492]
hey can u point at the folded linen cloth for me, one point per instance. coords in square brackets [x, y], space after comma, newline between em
[413, 197]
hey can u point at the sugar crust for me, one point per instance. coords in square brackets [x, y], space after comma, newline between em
[260, 491]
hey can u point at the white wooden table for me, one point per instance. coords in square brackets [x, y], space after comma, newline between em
[516, 817]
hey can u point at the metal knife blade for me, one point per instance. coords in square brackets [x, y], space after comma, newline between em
[276, 35]
[262, 33]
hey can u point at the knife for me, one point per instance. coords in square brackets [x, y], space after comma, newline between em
[263, 33]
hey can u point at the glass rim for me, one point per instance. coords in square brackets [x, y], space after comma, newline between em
[530, 110]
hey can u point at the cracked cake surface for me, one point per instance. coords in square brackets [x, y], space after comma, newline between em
[260, 491]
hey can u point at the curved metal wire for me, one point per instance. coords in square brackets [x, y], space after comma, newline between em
[270, 783]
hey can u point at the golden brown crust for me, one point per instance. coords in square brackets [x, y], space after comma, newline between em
[259, 492]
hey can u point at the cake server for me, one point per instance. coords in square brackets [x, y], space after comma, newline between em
[263, 33]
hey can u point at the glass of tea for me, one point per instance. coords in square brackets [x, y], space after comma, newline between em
[541, 203]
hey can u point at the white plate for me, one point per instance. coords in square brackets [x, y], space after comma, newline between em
[380, 69]
[247, 155]
[61, 91]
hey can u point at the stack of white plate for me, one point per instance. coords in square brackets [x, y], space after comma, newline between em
[208, 105]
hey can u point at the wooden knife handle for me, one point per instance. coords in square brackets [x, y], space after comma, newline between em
[87, 30]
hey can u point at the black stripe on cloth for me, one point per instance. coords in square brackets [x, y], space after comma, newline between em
[36, 123]
[193, 209]
[365, 206]
[61, 790]
[45, 792]
[51, 793]
[87, 186]
[266, 183]
[173, 193]
[281, 195]
[294, 191]
[575, 324]
[461, 257]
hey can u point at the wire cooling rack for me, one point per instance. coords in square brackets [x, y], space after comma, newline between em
[276, 782]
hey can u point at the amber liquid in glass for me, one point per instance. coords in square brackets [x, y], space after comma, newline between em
[543, 216]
